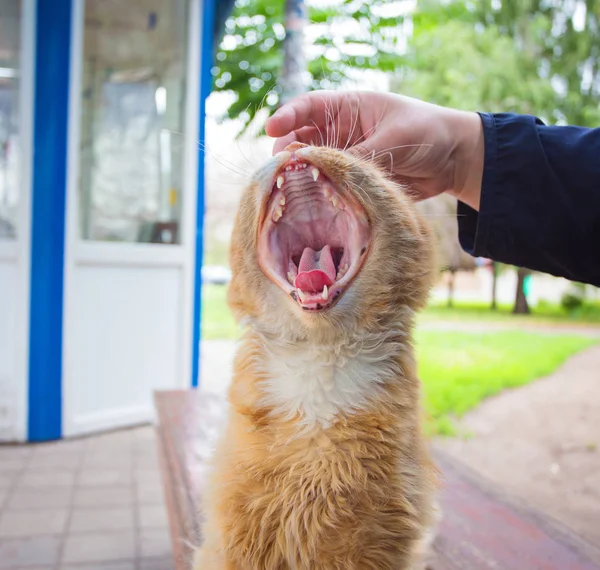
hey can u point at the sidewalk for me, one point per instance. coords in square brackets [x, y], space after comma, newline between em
[541, 442]
[89, 504]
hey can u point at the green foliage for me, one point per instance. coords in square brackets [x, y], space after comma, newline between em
[562, 37]
[455, 61]
[347, 35]
[525, 56]
[573, 300]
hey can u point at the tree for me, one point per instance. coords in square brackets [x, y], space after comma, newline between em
[562, 39]
[456, 61]
[343, 36]
[294, 59]
[496, 267]
[521, 305]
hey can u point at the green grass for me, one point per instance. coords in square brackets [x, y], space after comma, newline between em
[543, 313]
[458, 369]
[217, 320]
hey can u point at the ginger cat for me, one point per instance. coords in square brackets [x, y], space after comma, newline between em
[323, 465]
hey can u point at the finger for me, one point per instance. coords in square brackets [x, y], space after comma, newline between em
[312, 108]
[282, 142]
[307, 135]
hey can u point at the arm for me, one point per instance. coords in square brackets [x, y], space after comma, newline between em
[529, 194]
[540, 198]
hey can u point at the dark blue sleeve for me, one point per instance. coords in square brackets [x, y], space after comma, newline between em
[540, 198]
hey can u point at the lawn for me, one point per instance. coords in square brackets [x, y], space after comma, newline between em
[217, 321]
[458, 369]
[543, 313]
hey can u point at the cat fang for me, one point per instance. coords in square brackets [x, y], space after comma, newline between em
[313, 236]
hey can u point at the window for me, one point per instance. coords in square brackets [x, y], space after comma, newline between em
[132, 120]
[10, 160]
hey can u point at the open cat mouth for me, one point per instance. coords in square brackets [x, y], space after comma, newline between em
[313, 237]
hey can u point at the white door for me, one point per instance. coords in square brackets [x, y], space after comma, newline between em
[131, 203]
[16, 117]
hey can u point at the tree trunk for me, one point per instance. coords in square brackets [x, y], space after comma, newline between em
[451, 289]
[521, 305]
[294, 60]
[494, 285]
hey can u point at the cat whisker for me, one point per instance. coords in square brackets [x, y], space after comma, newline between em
[414, 145]
[351, 132]
[224, 162]
[361, 191]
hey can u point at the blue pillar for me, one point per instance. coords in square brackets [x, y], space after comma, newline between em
[49, 183]
[206, 63]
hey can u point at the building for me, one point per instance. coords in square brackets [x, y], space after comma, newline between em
[101, 207]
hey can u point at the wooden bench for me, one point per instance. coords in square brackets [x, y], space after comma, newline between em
[481, 529]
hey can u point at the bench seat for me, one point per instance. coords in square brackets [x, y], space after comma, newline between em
[481, 528]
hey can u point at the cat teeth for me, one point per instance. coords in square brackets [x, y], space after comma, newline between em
[304, 296]
[282, 200]
[297, 166]
[333, 198]
[342, 271]
[277, 214]
[315, 174]
[280, 181]
[290, 277]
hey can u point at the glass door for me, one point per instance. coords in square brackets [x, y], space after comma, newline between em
[10, 160]
[133, 102]
[130, 258]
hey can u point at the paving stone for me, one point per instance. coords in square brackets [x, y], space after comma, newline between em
[98, 519]
[32, 523]
[99, 547]
[16, 553]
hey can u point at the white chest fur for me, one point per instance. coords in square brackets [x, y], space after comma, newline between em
[320, 382]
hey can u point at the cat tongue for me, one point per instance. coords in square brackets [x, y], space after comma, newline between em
[315, 270]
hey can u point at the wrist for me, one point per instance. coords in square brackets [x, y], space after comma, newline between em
[469, 158]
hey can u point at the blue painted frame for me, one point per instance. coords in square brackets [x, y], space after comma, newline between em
[49, 187]
[206, 64]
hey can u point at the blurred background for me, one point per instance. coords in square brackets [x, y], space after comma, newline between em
[128, 131]
[530, 57]
[509, 358]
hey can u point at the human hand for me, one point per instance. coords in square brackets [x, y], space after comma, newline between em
[430, 149]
